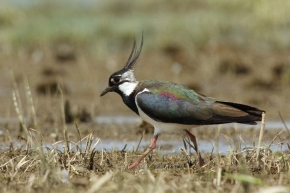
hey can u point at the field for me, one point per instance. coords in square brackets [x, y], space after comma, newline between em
[56, 58]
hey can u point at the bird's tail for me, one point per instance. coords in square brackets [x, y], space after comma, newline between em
[248, 115]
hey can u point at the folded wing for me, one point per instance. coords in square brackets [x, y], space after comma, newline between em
[204, 111]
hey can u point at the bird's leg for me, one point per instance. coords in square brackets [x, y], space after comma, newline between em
[149, 149]
[193, 139]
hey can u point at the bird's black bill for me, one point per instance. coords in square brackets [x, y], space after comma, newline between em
[109, 89]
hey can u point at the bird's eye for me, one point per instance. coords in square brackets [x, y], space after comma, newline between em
[116, 79]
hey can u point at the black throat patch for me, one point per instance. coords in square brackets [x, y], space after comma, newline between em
[130, 102]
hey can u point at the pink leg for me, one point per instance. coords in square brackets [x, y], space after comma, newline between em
[149, 149]
[193, 139]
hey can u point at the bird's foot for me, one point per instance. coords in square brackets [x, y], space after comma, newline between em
[134, 165]
[201, 162]
[149, 149]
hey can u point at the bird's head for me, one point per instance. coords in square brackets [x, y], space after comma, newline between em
[123, 81]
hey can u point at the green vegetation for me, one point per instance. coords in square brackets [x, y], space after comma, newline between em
[197, 23]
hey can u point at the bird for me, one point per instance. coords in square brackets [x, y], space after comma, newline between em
[171, 107]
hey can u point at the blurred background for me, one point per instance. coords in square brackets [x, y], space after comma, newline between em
[233, 50]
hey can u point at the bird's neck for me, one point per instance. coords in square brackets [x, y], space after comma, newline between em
[127, 88]
[127, 92]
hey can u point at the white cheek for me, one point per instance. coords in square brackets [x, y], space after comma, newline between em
[129, 75]
[128, 87]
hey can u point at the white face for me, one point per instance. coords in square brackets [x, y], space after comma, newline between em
[129, 76]
[126, 82]
[125, 77]
[128, 87]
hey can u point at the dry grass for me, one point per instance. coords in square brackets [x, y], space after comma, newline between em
[34, 167]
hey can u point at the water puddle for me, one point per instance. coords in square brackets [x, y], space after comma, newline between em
[174, 146]
[163, 146]
[117, 120]
[169, 146]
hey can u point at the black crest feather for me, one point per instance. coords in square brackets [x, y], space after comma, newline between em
[134, 55]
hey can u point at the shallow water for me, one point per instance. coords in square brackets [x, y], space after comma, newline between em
[163, 146]
[224, 146]
[168, 146]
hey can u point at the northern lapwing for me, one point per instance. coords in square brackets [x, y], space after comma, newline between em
[171, 107]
